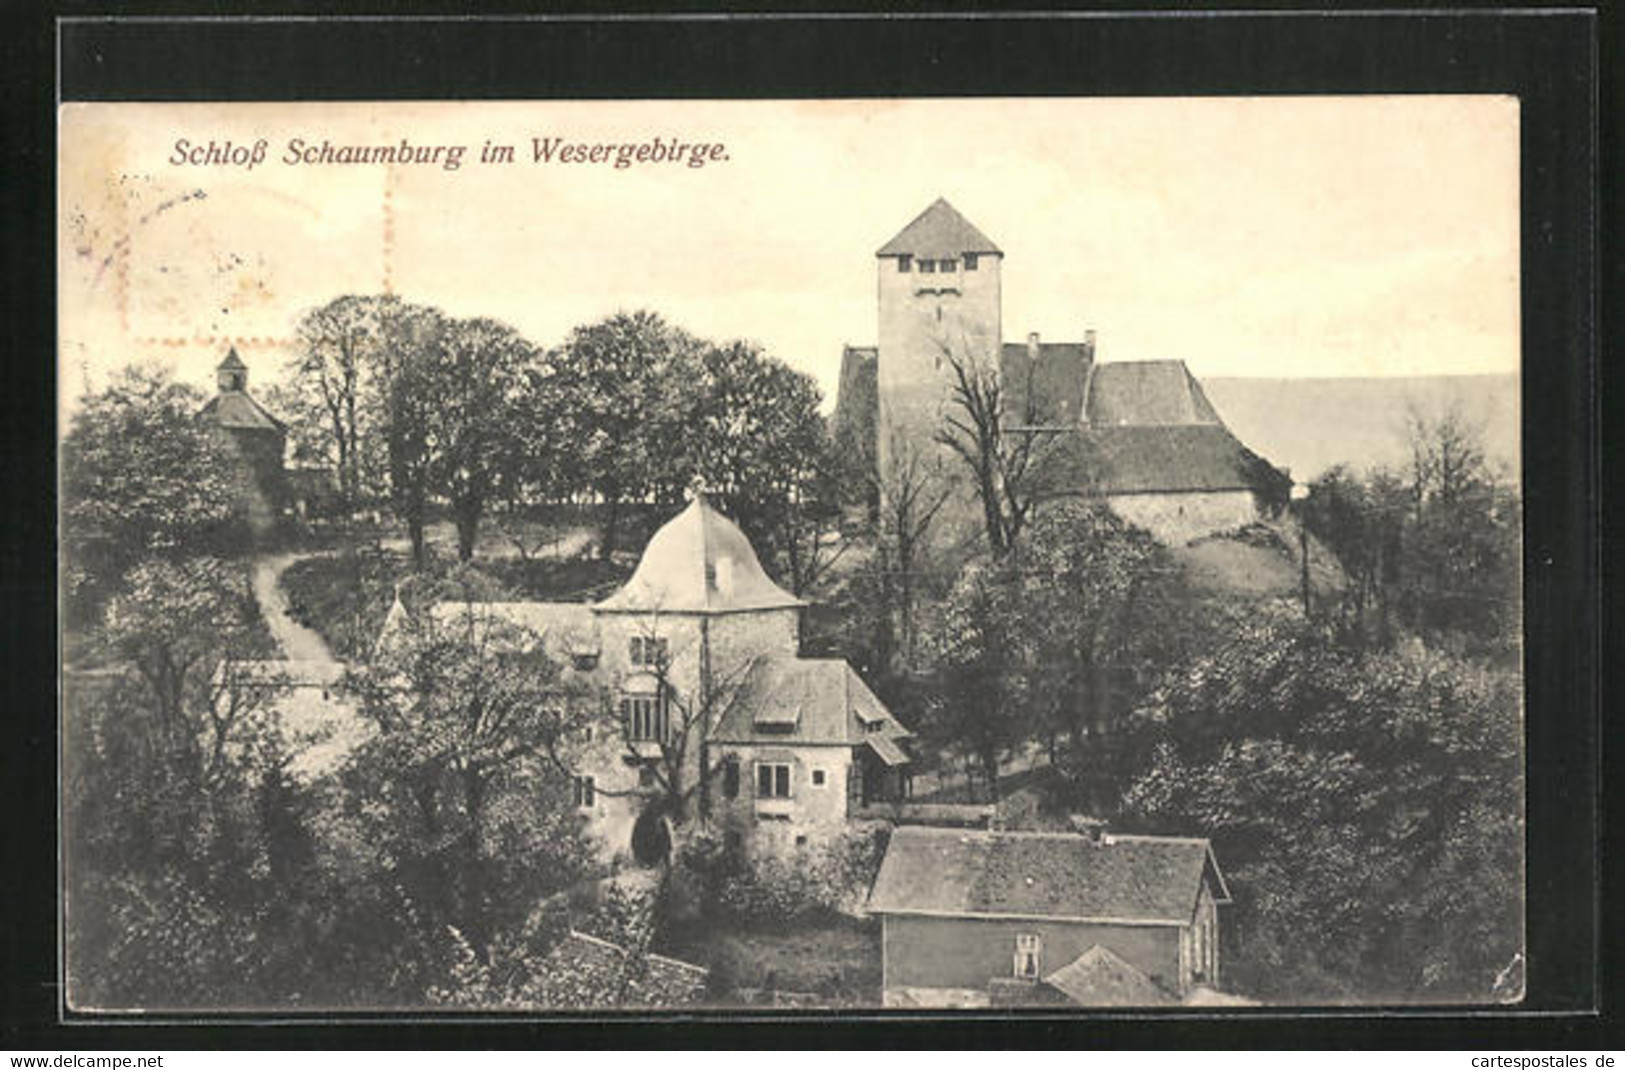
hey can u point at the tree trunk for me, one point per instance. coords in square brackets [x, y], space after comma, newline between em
[609, 530]
[468, 529]
[420, 548]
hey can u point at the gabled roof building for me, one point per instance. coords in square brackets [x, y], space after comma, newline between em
[1030, 918]
[1141, 435]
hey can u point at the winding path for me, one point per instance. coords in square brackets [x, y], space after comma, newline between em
[298, 642]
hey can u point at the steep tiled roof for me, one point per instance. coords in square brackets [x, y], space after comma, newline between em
[821, 700]
[699, 562]
[1055, 382]
[1052, 875]
[1099, 978]
[235, 409]
[1146, 392]
[584, 971]
[939, 231]
[233, 362]
[1138, 459]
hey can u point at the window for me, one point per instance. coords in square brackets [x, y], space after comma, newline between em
[730, 779]
[646, 776]
[927, 266]
[586, 792]
[904, 264]
[873, 726]
[585, 662]
[818, 778]
[970, 261]
[772, 780]
[649, 651]
[645, 717]
[947, 266]
[801, 841]
[1029, 955]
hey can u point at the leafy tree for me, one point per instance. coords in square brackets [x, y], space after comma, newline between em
[332, 381]
[1366, 808]
[980, 697]
[1102, 602]
[473, 387]
[467, 709]
[141, 476]
[406, 402]
[1432, 549]
[754, 436]
[178, 623]
[614, 375]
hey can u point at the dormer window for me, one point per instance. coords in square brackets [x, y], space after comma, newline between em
[927, 267]
[905, 264]
[948, 266]
[970, 261]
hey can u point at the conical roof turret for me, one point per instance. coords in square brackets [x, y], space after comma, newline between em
[699, 562]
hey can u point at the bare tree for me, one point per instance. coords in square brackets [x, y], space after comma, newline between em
[911, 495]
[998, 447]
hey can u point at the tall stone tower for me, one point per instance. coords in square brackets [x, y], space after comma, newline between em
[939, 301]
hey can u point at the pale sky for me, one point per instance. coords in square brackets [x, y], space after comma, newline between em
[1330, 236]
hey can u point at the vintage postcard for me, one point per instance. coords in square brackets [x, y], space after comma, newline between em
[544, 556]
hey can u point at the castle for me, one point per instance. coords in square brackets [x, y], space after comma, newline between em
[1141, 436]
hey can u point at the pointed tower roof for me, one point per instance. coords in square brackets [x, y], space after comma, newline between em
[939, 231]
[232, 362]
[699, 562]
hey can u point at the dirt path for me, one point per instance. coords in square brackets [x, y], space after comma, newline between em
[298, 642]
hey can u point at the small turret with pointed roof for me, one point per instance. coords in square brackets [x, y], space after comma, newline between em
[231, 374]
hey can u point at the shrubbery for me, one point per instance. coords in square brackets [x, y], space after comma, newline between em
[834, 878]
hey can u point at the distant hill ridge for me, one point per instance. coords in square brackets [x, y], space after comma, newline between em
[1309, 425]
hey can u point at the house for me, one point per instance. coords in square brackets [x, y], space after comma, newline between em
[254, 439]
[694, 666]
[976, 918]
[1142, 436]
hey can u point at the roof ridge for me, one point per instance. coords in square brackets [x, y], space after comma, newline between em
[1117, 837]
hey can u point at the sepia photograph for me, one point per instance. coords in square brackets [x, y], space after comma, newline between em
[922, 554]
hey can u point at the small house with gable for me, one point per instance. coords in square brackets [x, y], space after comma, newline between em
[977, 918]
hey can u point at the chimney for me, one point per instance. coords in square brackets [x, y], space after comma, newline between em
[1089, 339]
[1032, 346]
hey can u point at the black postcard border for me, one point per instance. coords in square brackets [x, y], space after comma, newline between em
[1547, 57]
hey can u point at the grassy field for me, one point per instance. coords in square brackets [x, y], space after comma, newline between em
[344, 596]
[831, 956]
